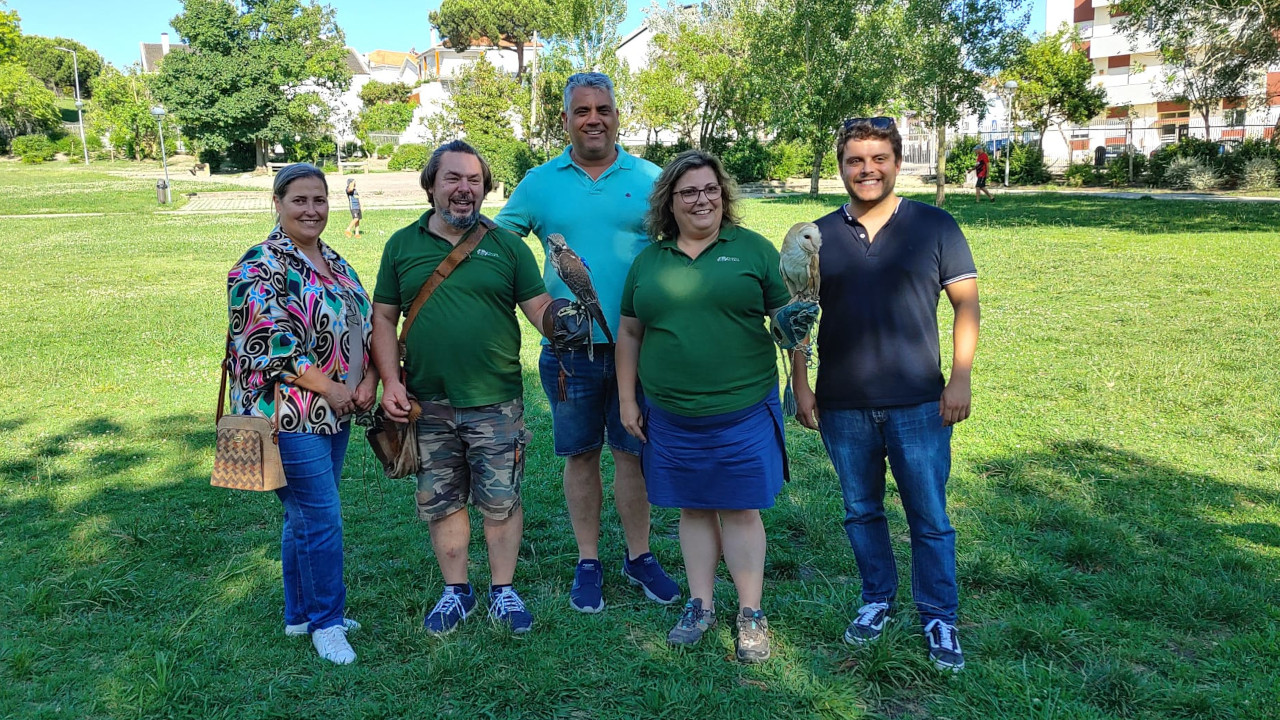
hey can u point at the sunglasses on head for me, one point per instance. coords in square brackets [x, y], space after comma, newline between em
[879, 122]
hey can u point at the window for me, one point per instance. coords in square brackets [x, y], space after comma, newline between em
[1234, 117]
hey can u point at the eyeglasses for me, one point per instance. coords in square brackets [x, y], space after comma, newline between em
[879, 122]
[690, 195]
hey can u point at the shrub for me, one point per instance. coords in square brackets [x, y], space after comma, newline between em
[1082, 176]
[1117, 173]
[747, 160]
[385, 150]
[509, 159]
[1179, 174]
[410, 156]
[1187, 147]
[961, 157]
[794, 159]
[1026, 164]
[1259, 174]
[34, 148]
[660, 155]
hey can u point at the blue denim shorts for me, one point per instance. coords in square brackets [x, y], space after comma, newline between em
[589, 414]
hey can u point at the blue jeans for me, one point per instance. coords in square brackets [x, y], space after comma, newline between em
[918, 448]
[311, 544]
[589, 413]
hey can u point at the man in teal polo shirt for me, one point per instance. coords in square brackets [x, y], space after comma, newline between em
[462, 363]
[596, 196]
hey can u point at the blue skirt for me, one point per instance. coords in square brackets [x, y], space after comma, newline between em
[732, 461]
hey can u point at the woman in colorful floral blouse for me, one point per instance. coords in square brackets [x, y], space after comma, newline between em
[300, 320]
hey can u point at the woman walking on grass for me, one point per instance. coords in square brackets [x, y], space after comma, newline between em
[692, 330]
[353, 199]
[299, 320]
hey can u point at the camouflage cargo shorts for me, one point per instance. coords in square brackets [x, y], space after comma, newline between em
[472, 453]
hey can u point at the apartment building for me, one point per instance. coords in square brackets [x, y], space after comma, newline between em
[1131, 70]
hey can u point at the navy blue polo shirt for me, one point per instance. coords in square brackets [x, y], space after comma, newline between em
[878, 337]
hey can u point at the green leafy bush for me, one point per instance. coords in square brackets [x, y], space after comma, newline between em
[793, 159]
[660, 155]
[1187, 147]
[410, 156]
[33, 148]
[385, 150]
[509, 159]
[1082, 176]
[961, 157]
[1117, 173]
[1026, 164]
[1191, 173]
[747, 160]
[1259, 174]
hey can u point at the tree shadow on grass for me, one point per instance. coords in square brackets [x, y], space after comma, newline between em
[1124, 574]
[1145, 216]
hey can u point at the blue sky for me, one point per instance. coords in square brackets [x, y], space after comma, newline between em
[115, 27]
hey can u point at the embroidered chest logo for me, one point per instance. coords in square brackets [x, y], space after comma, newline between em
[726, 258]
[485, 253]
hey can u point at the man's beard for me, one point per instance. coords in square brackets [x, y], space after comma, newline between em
[461, 222]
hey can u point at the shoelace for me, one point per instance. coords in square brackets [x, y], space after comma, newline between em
[689, 618]
[945, 634]
[868, 613]
[449, 602]
[330, 640]
[506, 602]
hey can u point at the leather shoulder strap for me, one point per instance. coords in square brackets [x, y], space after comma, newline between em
[222, 394]
[442, 271]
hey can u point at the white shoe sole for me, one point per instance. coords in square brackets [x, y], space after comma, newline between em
[631, 579]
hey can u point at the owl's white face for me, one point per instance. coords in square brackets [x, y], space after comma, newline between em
[810, 240]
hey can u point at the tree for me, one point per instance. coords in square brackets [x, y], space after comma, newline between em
[375, 92]
[820, 62]
[954, 47]
[463, 22]
[56, 68]
[26, 105]
[10, 33]
[698, 81]
[1055, 83]
[254, 71]
[589, 29]
[1200, 75]
[121, 110]
[391, 117]
[487, 102]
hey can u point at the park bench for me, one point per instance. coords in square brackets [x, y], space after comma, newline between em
[347, 166]
[273, 168]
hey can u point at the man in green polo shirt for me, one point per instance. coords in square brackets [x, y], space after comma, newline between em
[596, 196]
[462, 363]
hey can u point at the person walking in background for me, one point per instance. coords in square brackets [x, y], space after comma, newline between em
[885, 261]
[596, 195]
[462, 363]
[353, 199]
[299, 333]
[982, 169]
[693, 331]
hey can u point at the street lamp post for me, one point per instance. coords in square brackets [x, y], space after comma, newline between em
[75, 69]
[158, 112]
[1010, 86]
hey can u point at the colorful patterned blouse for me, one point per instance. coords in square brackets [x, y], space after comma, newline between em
[285, 318]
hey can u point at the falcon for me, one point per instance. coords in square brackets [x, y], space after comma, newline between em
[575, 274]
[798, 261]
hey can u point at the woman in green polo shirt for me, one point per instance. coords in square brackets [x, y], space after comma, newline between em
[693, 332]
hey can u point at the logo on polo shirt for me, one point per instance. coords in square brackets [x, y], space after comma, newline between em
[485, 253]
[726, 258]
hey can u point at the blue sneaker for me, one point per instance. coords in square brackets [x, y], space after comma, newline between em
[506, 607]
[648, 574]
[587, 594]
[452, 609]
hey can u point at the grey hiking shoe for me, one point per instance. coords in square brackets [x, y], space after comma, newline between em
[753, 636]
[944, 646]
[693, 622]
[868, 625]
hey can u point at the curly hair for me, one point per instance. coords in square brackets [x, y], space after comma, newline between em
[660, 221]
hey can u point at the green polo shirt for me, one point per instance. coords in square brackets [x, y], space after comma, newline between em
[465, 343]
[706, 349]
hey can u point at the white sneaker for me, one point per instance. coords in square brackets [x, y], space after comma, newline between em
[302, 628]
[332, 645]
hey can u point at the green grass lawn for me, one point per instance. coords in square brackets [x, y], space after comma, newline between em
[1116, 497]
[61, 187]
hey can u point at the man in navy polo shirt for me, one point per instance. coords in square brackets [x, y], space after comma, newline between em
[885, 261]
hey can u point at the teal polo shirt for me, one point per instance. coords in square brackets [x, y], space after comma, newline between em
[706, 349]
[602, 220]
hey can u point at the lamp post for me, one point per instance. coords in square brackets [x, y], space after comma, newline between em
[1010, 86]
[75, 69]
[158, 112]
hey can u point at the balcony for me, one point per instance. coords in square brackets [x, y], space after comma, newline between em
[1130, 94]
[1107, 42]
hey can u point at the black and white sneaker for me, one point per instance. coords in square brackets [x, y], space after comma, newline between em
[868, 625]
[944, 646]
